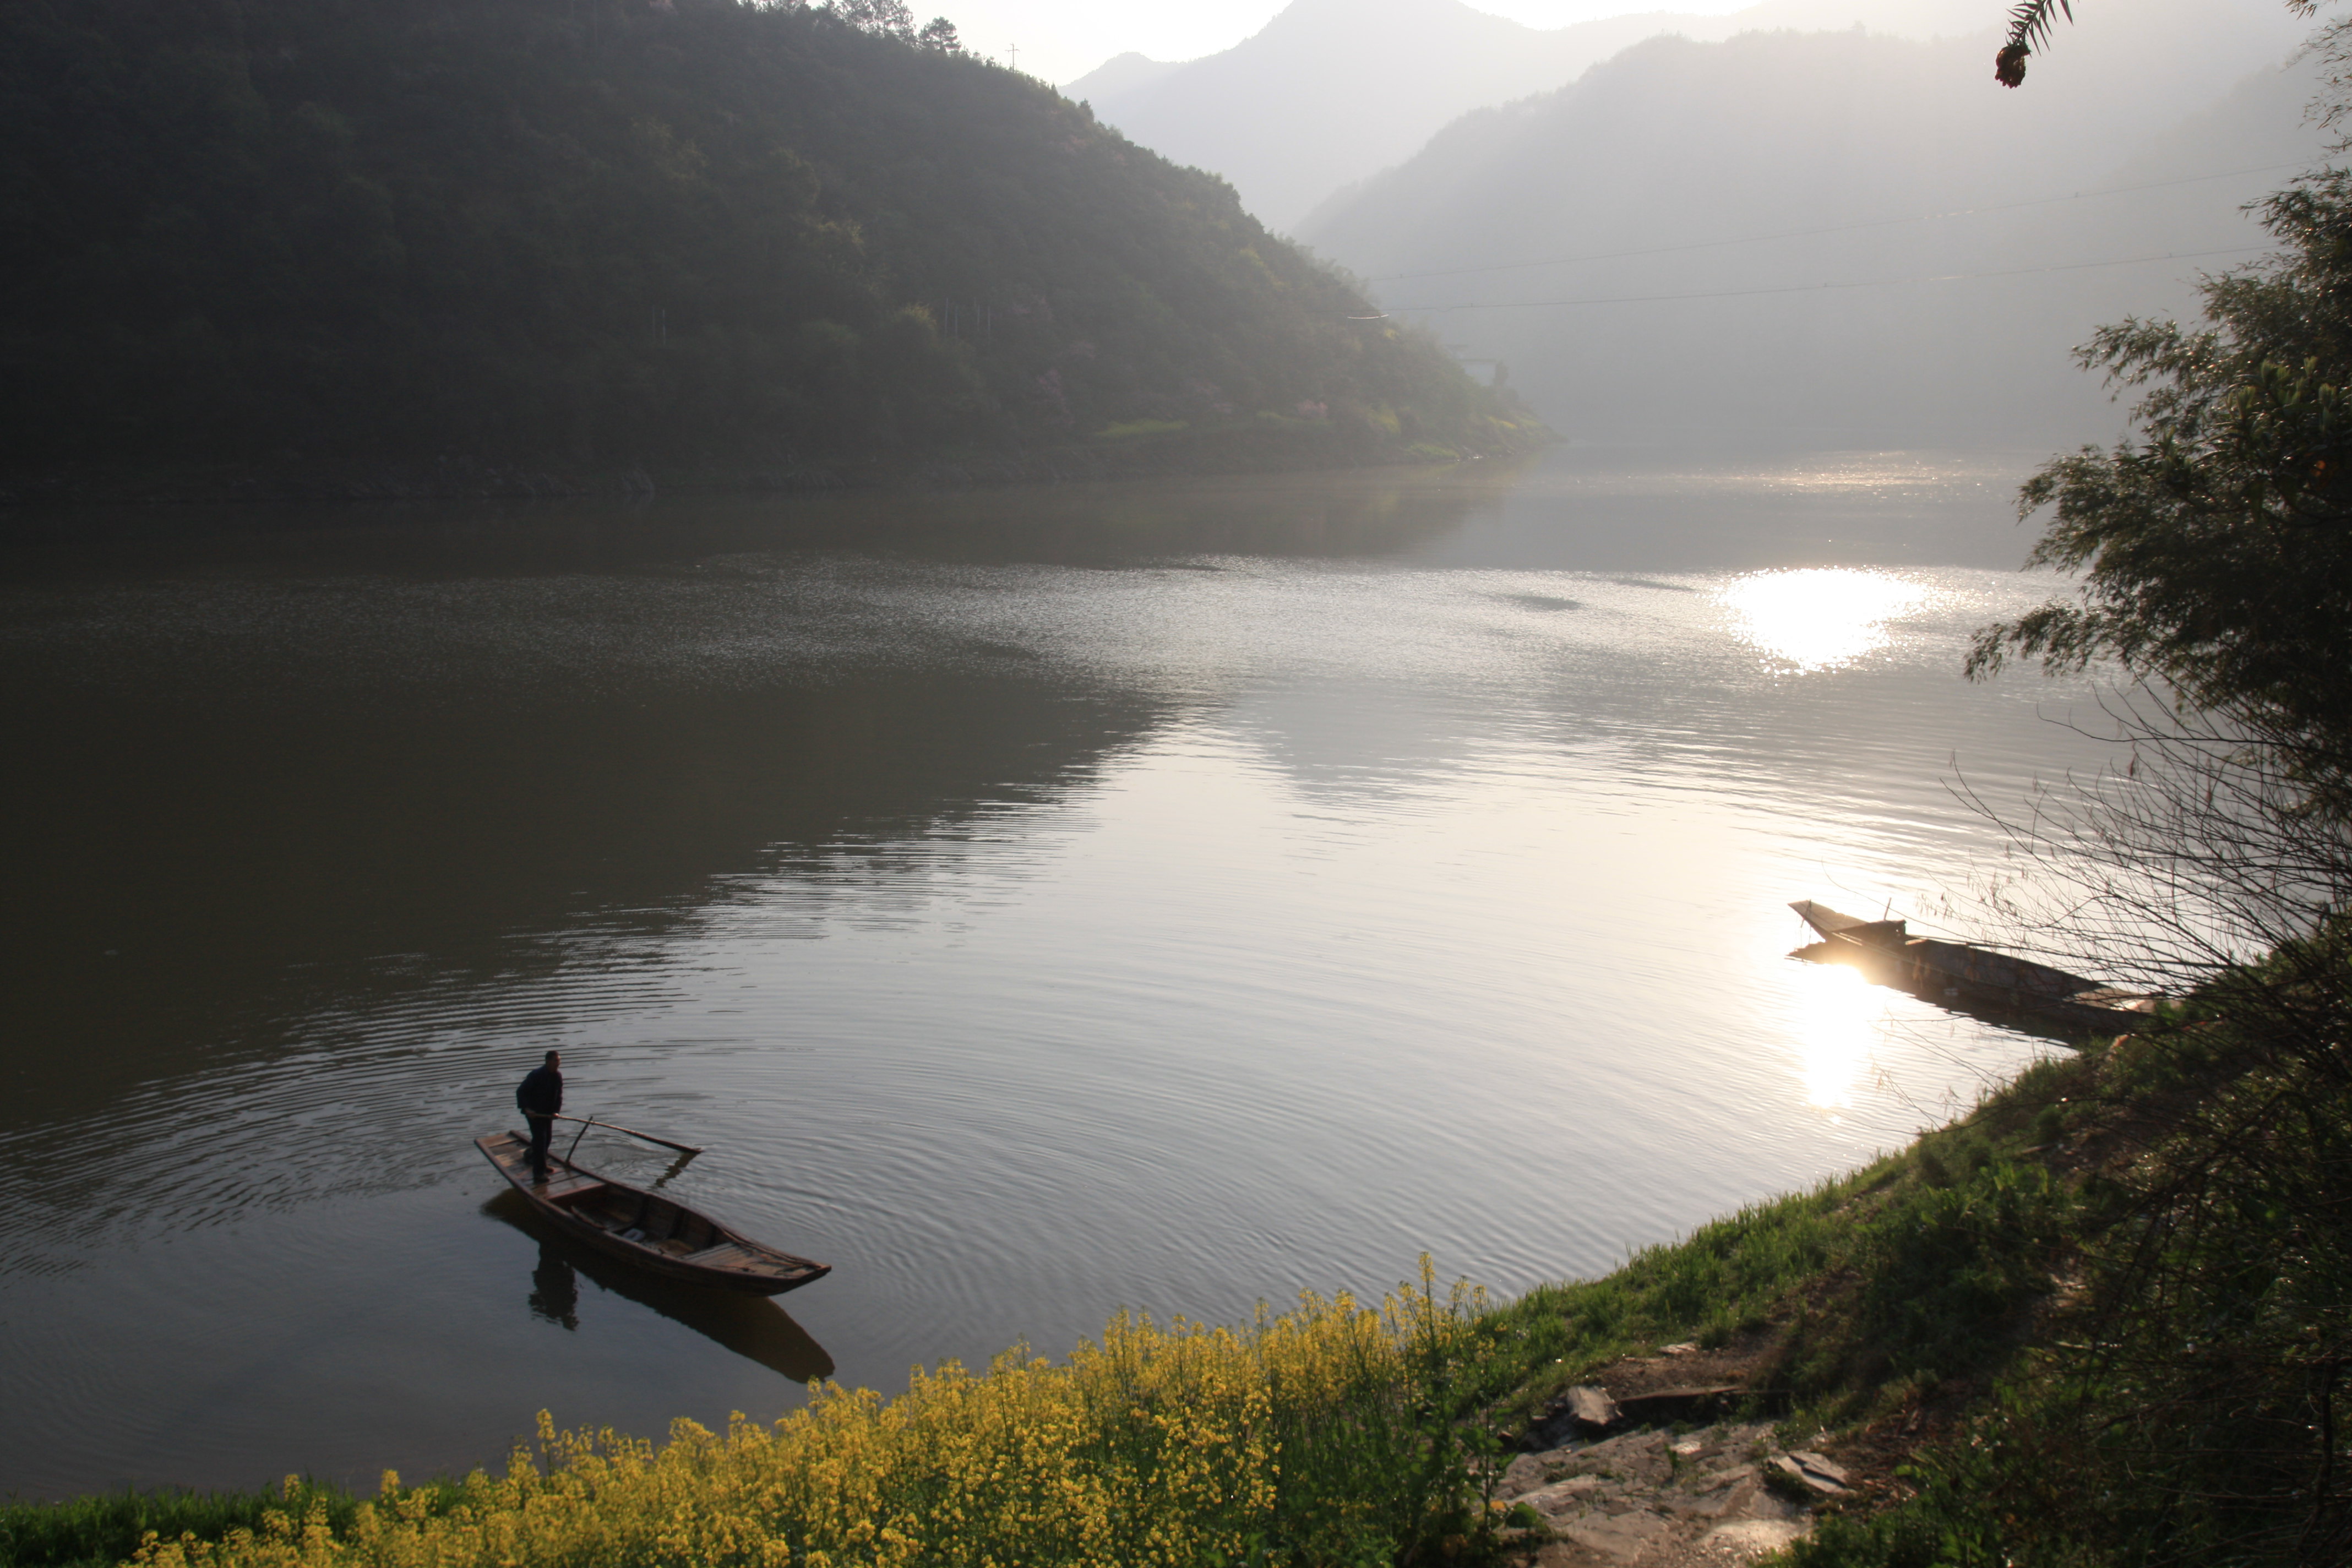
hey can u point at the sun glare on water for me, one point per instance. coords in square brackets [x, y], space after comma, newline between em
[1819, 617]
[1837, 1026]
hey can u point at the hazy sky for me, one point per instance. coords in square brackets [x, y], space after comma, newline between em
[1063, 39]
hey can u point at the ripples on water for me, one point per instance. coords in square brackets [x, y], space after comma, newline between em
[1039, 903]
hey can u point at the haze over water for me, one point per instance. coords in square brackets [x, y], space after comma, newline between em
[1040, 902]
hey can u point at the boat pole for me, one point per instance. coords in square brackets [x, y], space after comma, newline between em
[610, 1127]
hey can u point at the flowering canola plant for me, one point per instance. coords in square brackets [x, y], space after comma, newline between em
[1316, 1435]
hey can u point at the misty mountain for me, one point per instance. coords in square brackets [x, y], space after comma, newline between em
[1120, 74]
[1331, 91]
[1814, 238]
[283, 231]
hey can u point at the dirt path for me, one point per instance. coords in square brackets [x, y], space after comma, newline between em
[1637, 1493]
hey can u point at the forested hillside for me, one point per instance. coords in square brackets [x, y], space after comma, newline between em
[272, 232]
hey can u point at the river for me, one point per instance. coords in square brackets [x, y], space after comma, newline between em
[1167, 896]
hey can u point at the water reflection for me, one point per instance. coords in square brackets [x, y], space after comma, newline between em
[1350, 514]
[1840, 1022]
[1819, 619]
[753, 1327]
[685, 1158]
[554, 1288]
[1856, 969]
[333, 851]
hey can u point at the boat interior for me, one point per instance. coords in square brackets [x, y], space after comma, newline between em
[643, 1217]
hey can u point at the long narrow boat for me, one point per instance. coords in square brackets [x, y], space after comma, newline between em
[1938, 971]
[657, 1233]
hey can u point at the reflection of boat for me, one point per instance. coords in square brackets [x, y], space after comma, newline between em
[755, 1329]
[644, 1228]
[1956, 971]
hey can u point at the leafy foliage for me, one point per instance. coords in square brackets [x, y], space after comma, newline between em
[613, 230]
[2030, 24]
[2185, 1407]
[2216, 549]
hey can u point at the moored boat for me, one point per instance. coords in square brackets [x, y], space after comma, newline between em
[655, 1233]
[1958, 971]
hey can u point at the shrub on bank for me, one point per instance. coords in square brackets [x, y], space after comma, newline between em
[1330, 1434]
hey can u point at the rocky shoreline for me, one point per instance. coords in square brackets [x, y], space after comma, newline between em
[1617, 1475]
[1658, 1499]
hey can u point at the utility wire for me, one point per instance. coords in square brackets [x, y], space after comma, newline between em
[1835, 229]
[1818, 288]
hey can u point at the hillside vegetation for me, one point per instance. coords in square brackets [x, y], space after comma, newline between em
[285, 231]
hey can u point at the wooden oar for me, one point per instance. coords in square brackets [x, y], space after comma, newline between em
[588, 1121]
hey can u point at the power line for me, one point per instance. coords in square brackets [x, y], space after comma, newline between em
[1835, 229]
[1818, 288]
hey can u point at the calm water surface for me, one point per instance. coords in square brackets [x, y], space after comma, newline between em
[1040, 902]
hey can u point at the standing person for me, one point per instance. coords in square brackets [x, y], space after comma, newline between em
[539, 1098]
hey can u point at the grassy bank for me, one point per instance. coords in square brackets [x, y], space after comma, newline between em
[1875, 1292]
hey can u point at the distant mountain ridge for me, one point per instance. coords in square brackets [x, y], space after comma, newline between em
[1800, 236]
[1312, 101]
[1331, 91]
[1130, 72]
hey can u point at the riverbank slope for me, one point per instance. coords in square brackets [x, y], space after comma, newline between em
[1958, 1355]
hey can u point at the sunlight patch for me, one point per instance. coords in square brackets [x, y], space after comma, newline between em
[1837, 1027]
[1819, 617]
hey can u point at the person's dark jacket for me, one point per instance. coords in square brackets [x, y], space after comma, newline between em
[541, 1093]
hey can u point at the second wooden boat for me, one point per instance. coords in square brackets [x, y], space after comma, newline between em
[1940, 971]
[655, 1233]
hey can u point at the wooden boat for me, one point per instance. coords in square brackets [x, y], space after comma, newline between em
[753, 1327]
[1958, 971]
[657, 1234]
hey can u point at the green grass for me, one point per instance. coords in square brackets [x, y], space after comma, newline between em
[1919, 1268]
[2177, 1405]
[103, 1530]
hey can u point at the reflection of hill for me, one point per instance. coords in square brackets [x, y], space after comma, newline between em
[1351, 512]
[197, 868]
[753, 1327]
[210, 846]
[264, 777]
